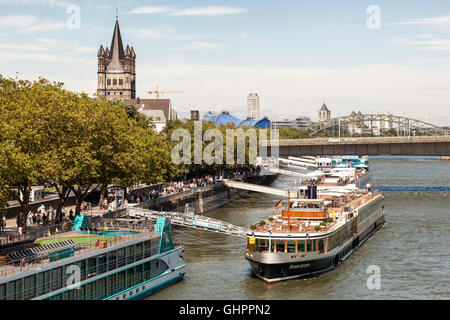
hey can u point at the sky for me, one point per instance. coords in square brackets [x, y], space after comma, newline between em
[370, 56]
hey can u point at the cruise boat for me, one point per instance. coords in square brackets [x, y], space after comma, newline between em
[108, 262]
[314, 232]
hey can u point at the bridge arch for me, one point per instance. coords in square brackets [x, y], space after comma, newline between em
[375, 124]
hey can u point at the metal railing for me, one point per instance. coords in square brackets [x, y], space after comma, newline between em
[12, 268]
[356, 140]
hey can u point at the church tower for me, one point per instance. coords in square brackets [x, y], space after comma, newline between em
[116, 72]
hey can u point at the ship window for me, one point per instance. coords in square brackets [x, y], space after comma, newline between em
[112, 283]
[138, 274]
[57, 279]
[121, 257]
[111, 260]
[43, 282]
[309, 245]
[280, 246]
[301, 246]
[80, 294]
[92, 290]
[102, 263]
[146, 271]
[321, 245]
[130, 254]
[29, 287]
[130, 277]
[2, 291]
[291, 246]
[121, 280]
[138, 251]
[92, 267]
[147, 249]
[15, 290]
[101, 288]
[82, 265]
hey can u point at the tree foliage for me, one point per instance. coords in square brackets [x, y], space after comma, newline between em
[78, 143]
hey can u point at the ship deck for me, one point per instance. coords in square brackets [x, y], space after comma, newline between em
[83, 244]
[281, 224]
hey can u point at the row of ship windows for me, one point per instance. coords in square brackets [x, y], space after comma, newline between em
[115, 283]
[55, 278]
[288, 246]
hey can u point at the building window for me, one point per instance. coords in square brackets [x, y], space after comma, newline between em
[114, 82]
[120, 82]
[109, 82]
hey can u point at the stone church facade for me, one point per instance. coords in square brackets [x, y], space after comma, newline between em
[116, 74]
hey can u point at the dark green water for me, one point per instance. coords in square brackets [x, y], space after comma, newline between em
[412, 250]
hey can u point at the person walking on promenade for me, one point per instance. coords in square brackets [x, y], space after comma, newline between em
[30, 217]
[34, 218]
[38, 218]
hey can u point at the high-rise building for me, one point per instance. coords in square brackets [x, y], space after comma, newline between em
[116, 69]
[253, 106]
[195, 115]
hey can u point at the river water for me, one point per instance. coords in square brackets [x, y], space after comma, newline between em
[412, 250]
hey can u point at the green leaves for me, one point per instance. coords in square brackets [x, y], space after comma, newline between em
[50, 134]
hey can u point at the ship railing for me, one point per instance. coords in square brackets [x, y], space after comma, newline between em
[11, 268]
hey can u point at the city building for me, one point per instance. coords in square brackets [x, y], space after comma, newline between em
[253, 106]
[298, 123]
[195, 115]
[154, 104]
[324, 113]
[158, 117]
[116, 74]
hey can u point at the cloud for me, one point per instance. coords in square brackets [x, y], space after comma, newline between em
[17, 21]
[243, 36]
[163, 33]
[29, 24]
[51, 3]
[207, 11]
[150, 10]
[195, 11]
[22, 47]
[439, 21]
[202, 45]
[425, 42]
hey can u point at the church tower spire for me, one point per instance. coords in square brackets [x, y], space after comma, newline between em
[116, 70]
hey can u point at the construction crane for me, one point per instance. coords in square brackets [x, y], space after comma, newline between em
[157, 92]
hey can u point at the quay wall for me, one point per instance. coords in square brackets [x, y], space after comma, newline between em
[202, 199]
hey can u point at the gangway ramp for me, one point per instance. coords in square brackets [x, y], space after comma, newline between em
[255, 187]
[190, 220]
[322, 190]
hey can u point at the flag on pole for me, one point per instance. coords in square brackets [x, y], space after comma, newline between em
[278, 204]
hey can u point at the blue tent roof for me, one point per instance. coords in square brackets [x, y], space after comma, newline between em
[247, 122]
[225, 118]
[263, 124]
[210, 116]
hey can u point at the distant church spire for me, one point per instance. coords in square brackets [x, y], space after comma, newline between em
[116, 68]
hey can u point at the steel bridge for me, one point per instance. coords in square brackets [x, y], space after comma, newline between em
[372, 146]
[375, 124]
[190, 220]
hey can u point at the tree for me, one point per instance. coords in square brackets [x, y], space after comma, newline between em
[24, 136]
